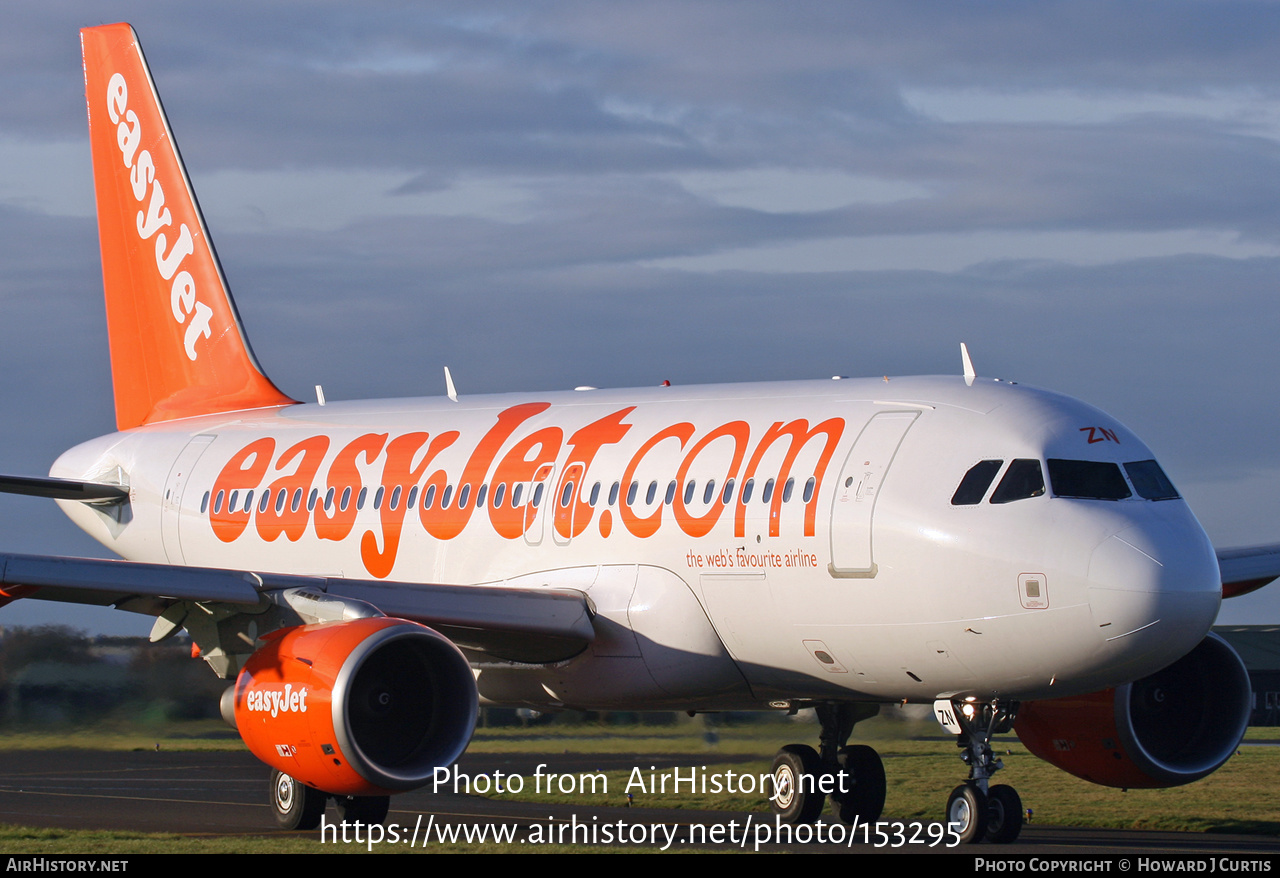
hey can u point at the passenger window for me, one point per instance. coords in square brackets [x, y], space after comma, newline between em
[498, 493]
[808, 488]
[613, 494]
[671, 494]
[480, 492]
[973, 487]
[746, 490]
[650, 494]
[1022, 480]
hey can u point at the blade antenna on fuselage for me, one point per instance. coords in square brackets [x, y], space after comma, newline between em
[449, 389]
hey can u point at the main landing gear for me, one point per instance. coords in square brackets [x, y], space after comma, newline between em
[976, 810]
[298, 806]
[852, 777]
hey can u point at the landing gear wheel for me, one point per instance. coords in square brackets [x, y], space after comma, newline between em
[967, 813]
[796, 801]
[296, 805]
[1004, 814]
[865, 801]
[366, 809]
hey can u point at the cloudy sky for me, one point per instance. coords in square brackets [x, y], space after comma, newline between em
[542, 195]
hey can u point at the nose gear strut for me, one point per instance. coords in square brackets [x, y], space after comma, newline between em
[975, 809]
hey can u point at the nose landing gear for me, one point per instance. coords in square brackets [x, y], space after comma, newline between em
[976, 810]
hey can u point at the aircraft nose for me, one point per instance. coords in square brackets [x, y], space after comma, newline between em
[1154, 591]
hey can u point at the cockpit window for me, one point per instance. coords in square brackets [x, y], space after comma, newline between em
[1087, 479]
[973, 487]
[1023, 479]
[1150, 481]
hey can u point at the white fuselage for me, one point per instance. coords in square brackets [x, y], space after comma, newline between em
[845, 572]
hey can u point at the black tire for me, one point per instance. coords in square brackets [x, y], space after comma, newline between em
[967, 813]
[796, 800]
[865, 802]
[296, 805]
[366, 809]
[1004, 814]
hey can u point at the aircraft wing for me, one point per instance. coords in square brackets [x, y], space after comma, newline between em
[1248, 568]
[520, 624]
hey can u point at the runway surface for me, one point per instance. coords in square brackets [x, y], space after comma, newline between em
[225, 794]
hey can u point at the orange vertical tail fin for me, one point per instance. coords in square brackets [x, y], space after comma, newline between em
[177, 346]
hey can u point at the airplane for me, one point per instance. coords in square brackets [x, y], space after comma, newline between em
[367, 574]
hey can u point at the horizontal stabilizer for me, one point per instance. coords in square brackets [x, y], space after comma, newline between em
[64, 489]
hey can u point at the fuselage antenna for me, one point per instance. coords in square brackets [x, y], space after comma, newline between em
[449, 389]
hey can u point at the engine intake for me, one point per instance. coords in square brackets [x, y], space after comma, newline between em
[359, 708]
[1171, 728]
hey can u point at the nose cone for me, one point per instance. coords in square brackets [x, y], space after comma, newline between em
[1154, 590]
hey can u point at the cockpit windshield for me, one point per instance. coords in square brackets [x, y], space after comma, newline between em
[1023, 479]
[973, 487]
[1087, 479]
[1150, 481]
[1075, 479]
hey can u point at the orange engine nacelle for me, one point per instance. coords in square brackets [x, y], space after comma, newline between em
[359, 708]
[1171, 728]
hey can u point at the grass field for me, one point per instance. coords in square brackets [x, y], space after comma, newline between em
[921, 767]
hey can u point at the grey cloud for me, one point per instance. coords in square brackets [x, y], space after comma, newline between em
[597, 104]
